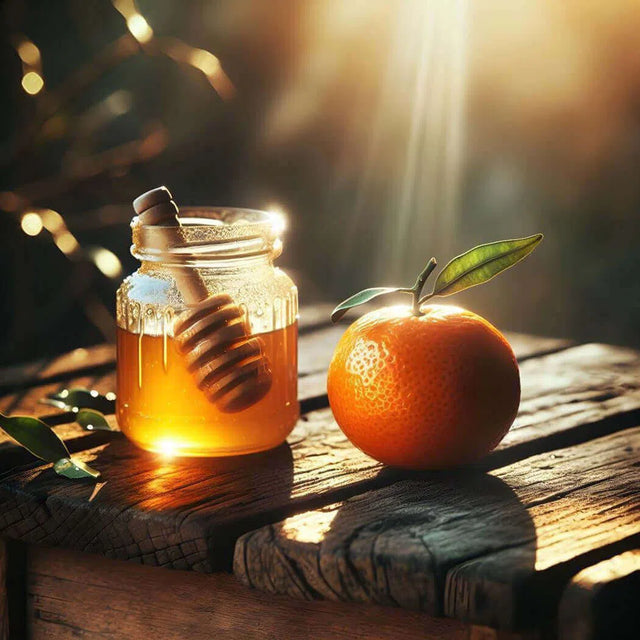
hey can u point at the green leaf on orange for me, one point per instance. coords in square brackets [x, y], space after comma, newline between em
[35, 436]
[361, 298]
[482, 263]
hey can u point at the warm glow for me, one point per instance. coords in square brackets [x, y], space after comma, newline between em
[32, 82]
[66, 243]
[52, 220]
[31, 223]
[136, 23]
[107, 261]
[139, 28]
[310, 527]
[29, 53]
[162, 407]
[118, 103]
[205, 61]
[199, 59]
[167, 448]
[278, 217]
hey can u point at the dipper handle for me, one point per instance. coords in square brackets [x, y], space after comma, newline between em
[228, 364]
[156, 207]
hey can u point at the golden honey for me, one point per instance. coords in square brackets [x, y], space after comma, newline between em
[160, 408]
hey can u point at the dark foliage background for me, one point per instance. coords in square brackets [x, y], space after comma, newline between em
[551, 144]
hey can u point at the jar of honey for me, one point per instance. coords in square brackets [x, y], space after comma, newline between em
[160, 406]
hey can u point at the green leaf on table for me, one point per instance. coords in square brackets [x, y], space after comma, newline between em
[483, 263]
[80, 398]
[35, 436]
[92, 420]
[360, 298]
[75, 469]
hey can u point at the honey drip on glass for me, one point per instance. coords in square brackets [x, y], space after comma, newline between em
[160, 408]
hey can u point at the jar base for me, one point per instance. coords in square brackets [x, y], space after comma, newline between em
[167, 449]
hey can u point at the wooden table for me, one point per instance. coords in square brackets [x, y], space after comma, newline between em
[541, 539]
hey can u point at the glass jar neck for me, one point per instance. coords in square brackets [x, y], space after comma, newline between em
[217, 266]
[210, 238]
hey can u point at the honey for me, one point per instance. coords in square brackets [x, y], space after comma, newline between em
[160, 408]
[179, 394]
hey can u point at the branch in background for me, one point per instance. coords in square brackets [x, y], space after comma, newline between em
[116, 158]
[113, 54]
[79, 168]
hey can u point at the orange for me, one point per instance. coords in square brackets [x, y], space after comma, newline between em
[424, 392]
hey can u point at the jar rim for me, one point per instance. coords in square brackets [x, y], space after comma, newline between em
[209, 233]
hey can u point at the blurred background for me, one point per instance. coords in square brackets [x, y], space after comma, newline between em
[387, 131]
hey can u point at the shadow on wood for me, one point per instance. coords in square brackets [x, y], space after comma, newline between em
[393, 546]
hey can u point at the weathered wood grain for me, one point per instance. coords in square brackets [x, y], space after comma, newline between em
[480, 547]
[68, 364]
[187, 514]
[574, 394]
[180, 514]
[77, 595]
[601, 601]
[4, 604]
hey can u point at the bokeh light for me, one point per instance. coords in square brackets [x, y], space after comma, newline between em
[107, 261]
[32, 82]
[66, 242]
[31, 223]
[139, 28]
[29, 53]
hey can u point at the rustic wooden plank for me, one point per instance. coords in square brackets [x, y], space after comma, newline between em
[68, 592]
[183, 514]
[570, 395]
[29, 401]
[193, 510]
[576, 393]
[102, 356]
[4, 604]
[68, 364]
[486, 548]
[526, 346]
[315, 347]
[316, 351]
[601, 601]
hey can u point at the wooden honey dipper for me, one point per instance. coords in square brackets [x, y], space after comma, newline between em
[228, 364]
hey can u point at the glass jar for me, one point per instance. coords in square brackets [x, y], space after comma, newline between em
[159, 405]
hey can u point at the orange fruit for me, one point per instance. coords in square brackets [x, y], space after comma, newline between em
[424, 392]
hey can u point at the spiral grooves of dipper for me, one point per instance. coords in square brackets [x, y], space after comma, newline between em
[229, 365]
